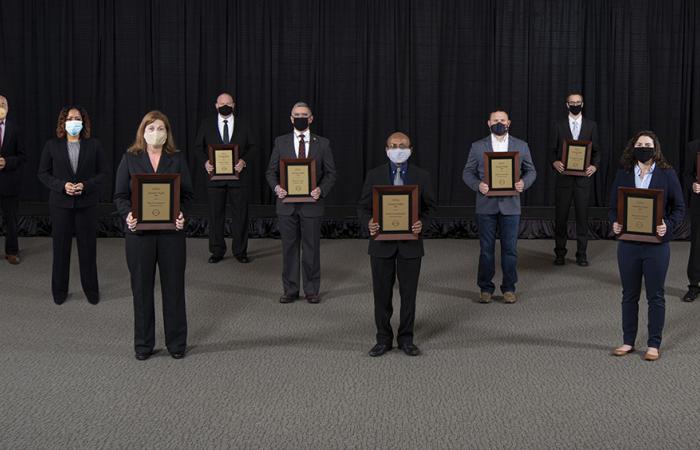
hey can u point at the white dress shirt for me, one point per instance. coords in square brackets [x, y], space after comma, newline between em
[499, 146]
[307, 140]
[575, 130]
[230, 126]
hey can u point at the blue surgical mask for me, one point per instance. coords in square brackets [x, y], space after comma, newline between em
[74, 127]
[398, 155]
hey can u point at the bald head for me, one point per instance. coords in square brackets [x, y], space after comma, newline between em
[225, 99]
[398, 140]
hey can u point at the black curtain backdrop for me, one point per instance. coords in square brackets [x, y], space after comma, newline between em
[433, 69]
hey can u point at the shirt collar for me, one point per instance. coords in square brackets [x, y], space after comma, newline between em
[576, 119]
[229, 118]
[298, 133]
[638, 171]
[393, 166]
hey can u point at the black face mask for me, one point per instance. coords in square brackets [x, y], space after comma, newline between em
[499, 129]
[301, 123]
[575, 109]
[643, 154]
[226, 110]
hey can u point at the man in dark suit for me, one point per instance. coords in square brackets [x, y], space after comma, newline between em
[570, 188]
[691, 180]
[300, 223]
[227, 128]
[11, 161]
[389, 258]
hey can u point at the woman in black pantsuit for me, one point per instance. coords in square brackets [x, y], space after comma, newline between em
[154, 151]
[73, 167]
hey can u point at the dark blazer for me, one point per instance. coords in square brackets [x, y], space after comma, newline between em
[13, 151]
[382, 176]
[209, 134]
[55, 171]
[139, 163]
[320, 150]
[562, 132]
[665, 179]
[690, 175]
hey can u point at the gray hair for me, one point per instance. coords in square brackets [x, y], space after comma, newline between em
[301, 105]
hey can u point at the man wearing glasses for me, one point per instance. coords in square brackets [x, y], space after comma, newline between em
[570, 188]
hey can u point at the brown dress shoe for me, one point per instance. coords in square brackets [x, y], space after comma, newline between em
[619, 351]
[313, 298]
[509, 297]
[651, 356]
[12, 259]
[485, 297]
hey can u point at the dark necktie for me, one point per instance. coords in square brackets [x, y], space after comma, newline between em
[226, 135]
[302, 147]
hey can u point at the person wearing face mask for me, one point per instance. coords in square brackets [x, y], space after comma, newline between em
[227, 128]
[644, 167]
[74, 168]
[389, 259]
[691, 180]
[12, 158]
[570, 188]
[498, 212]
[154, 151]
[300, 223]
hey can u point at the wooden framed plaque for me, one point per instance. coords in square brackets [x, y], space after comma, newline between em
[224, 158]
[395, 209]
[298, 178]
[501, 172]
[640, 211]
[155, 200]
[576, 157]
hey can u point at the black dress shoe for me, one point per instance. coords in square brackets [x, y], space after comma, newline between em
[93, 299]
[177, 355]
[243, 259]
[692, 294]
[559, 261]
[582, 261]
[143, 356]
[288, 298]
[313, 298]
[410, 349]
[59, 300]
[379, 349]
[213, 259]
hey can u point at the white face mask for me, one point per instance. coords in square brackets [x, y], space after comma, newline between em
[155, 137]
[398, 155]
[3, 113]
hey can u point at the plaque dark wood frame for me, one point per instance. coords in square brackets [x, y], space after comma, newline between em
[655, 194]
[488, 156]
[137, 180]
[283, 179]
[413, 192]
[565, 154]
[213, 176]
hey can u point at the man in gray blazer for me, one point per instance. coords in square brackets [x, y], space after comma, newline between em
[300, 223]
[501, 211]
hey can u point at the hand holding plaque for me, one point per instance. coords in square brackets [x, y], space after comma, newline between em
[501, 173]
[223, 159]
[640, 214]
[395, 210]
[298, 179]
[155, 201]
[576, 157]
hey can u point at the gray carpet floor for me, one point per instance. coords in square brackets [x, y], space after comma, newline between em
[259, 374]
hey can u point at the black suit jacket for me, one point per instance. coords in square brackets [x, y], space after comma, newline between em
[562, 132]
[13, 151]
[140, 163]
[382, 176]
[690, 175]
[55, 171]
[665, 179]
[320, 150]
[209, 134]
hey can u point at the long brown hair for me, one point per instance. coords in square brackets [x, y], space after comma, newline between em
[139, 144]
[61, 125]
[628, 161]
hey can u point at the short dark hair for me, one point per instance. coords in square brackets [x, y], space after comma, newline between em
[574, 92]
[498, 109]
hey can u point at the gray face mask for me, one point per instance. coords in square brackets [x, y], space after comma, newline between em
[398, 155]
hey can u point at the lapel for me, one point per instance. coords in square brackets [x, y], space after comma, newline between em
[81, 156]
[216, 130]
[64, 155]
[313, 146]
[567, 128]
[288, 147]
[489, 145]
[163, 165]
[584, 129]
[8, 135]
[512, 145]
[409, 175]
[655, 182]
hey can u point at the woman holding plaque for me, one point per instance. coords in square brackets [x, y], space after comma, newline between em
[154, 152]
[644, 167]
[73, 167]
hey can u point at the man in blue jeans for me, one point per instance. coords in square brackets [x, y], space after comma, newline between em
[500, 211]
